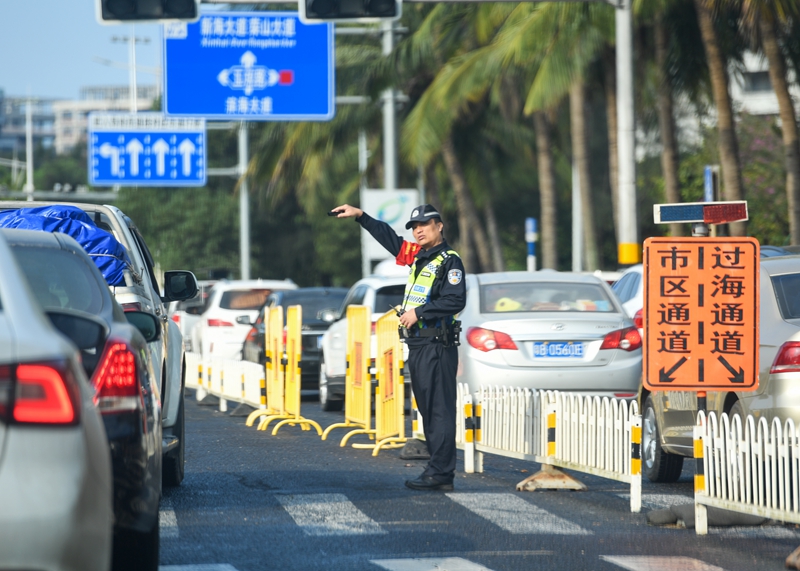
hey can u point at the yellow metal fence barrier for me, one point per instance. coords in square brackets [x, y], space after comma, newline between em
[358, 382]
[390, 431]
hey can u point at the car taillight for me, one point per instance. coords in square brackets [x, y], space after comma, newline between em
[638, 319]
[374, 327]
[627, 339]
[116, 382]
[251, 335]
[132, 306]
[788, 358]
[176, 318]
[488, 340]
[39, 393]
[219, 323]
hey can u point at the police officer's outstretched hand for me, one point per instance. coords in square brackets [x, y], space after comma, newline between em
[347, 211]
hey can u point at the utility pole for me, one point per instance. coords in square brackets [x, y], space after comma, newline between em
[244, 204]
[389, 119]
[29, 148]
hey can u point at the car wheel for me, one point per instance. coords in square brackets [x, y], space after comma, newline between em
[325, 400]
[136, 551]
[737, 409]
[659, 466]
[172, 468]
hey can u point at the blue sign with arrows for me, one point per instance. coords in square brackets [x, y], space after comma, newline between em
[249, 66]
[146, 149]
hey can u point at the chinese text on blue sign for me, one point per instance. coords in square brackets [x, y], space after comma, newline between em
[146, 149]
[701, 314]
[253, 66]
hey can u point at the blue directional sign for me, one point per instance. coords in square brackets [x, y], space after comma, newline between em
[251, 66]
[146, 149]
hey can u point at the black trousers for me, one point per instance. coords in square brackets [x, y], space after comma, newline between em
[433, 367]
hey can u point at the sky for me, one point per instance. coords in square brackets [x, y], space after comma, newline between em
[48, 48]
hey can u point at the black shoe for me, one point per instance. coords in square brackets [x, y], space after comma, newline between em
[427, 483]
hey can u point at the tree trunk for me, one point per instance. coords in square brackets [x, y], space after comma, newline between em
[610, 67]
[732, 188]
[499, 264]
[547, 191]
[468, 221]
[791, 146]
[580, 154]
[666, 122]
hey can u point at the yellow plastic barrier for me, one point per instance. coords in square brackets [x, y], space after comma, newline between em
[270, 367]
[276, 367]
[294, 352]
[390, 430]
[358, 383]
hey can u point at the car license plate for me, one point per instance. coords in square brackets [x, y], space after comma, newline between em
[547, 350]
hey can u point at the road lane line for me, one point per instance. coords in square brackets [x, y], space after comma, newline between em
[328, 514]
[516, 515]
[637, 563]
[167, 521]
[433, 564]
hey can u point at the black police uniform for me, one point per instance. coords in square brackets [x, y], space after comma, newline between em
[432, 366]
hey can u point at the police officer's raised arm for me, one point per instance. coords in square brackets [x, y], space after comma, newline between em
[380, 230]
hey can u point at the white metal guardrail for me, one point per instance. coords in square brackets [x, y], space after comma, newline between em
[235, 381]
[751, 467]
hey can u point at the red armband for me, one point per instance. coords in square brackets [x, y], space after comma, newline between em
[407, 253]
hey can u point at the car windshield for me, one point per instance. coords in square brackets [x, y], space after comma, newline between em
[313, 304]
[544, 296]
[388, 297]
[244, 299]
[60, 279]
[787, 292]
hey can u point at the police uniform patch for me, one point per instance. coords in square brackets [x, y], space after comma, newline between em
[454, 276]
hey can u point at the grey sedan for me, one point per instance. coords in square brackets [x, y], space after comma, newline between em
[548, 330]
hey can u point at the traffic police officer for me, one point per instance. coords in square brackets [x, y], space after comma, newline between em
[434, 294]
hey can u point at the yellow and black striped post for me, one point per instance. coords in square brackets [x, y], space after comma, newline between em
[263, 383]
[636, 449]
[469, 423]
[414, 415]
[200, 375]
[478, 417]
[551, 432]
[243, 393]
[699, 461]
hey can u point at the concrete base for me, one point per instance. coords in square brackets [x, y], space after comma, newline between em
[550, 478]
[242, 410]
[209, 400]
[415, 450]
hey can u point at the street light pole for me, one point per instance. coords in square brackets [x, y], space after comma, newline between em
[29, 148]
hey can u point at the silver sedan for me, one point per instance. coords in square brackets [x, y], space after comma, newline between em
[548, 330]
[55, 468]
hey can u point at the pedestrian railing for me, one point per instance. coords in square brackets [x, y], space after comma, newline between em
[751, 467]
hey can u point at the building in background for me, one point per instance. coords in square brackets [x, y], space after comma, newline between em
[751, 90]
[12, 124]
[71, 115]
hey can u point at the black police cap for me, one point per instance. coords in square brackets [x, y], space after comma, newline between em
[422, 213]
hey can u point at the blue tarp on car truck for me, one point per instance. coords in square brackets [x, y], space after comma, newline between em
[108, 254]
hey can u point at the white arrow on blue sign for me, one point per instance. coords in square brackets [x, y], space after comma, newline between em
[146, 149]
[251, 66]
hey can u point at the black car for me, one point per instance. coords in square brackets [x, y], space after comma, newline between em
[320, 305]
[66, 282]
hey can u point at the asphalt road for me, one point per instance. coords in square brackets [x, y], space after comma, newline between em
[252, 502]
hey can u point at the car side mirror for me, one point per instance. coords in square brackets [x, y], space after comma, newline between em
[179, 285]
[85, 331]
[147, 324]
[244, 320]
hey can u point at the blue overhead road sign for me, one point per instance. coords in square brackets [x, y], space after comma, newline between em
[251, 66]
[146, 149]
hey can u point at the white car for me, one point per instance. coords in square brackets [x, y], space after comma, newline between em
[380, 293]
[231, 310]
[56, 494]
[630, 292]
[186, 314]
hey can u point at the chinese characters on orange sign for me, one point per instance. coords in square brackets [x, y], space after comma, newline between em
[701, 314]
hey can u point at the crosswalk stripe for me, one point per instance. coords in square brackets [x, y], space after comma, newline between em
[655, 563]
[516, 515]
[167, 521]
[432, 564]
[328, 514]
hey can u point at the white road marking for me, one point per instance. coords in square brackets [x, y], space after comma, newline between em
[167, 521]
[516, 515]
[756, 531]
[211, 567]
[637, 563]
[433, 564]
[328, 514]
[661, 501]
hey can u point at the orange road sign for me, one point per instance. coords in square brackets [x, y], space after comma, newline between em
[701, 314]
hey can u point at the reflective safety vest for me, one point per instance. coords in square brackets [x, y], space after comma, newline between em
[418, 287]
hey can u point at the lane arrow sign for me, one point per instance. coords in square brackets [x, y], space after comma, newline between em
[187, 149]
[109, 151]
[160, 148]
[134, 148]
[666, 377]
[738, 376]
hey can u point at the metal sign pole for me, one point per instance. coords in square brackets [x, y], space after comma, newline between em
[244, 205]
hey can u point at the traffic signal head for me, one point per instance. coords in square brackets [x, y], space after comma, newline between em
[312, 11]
[117, 11]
